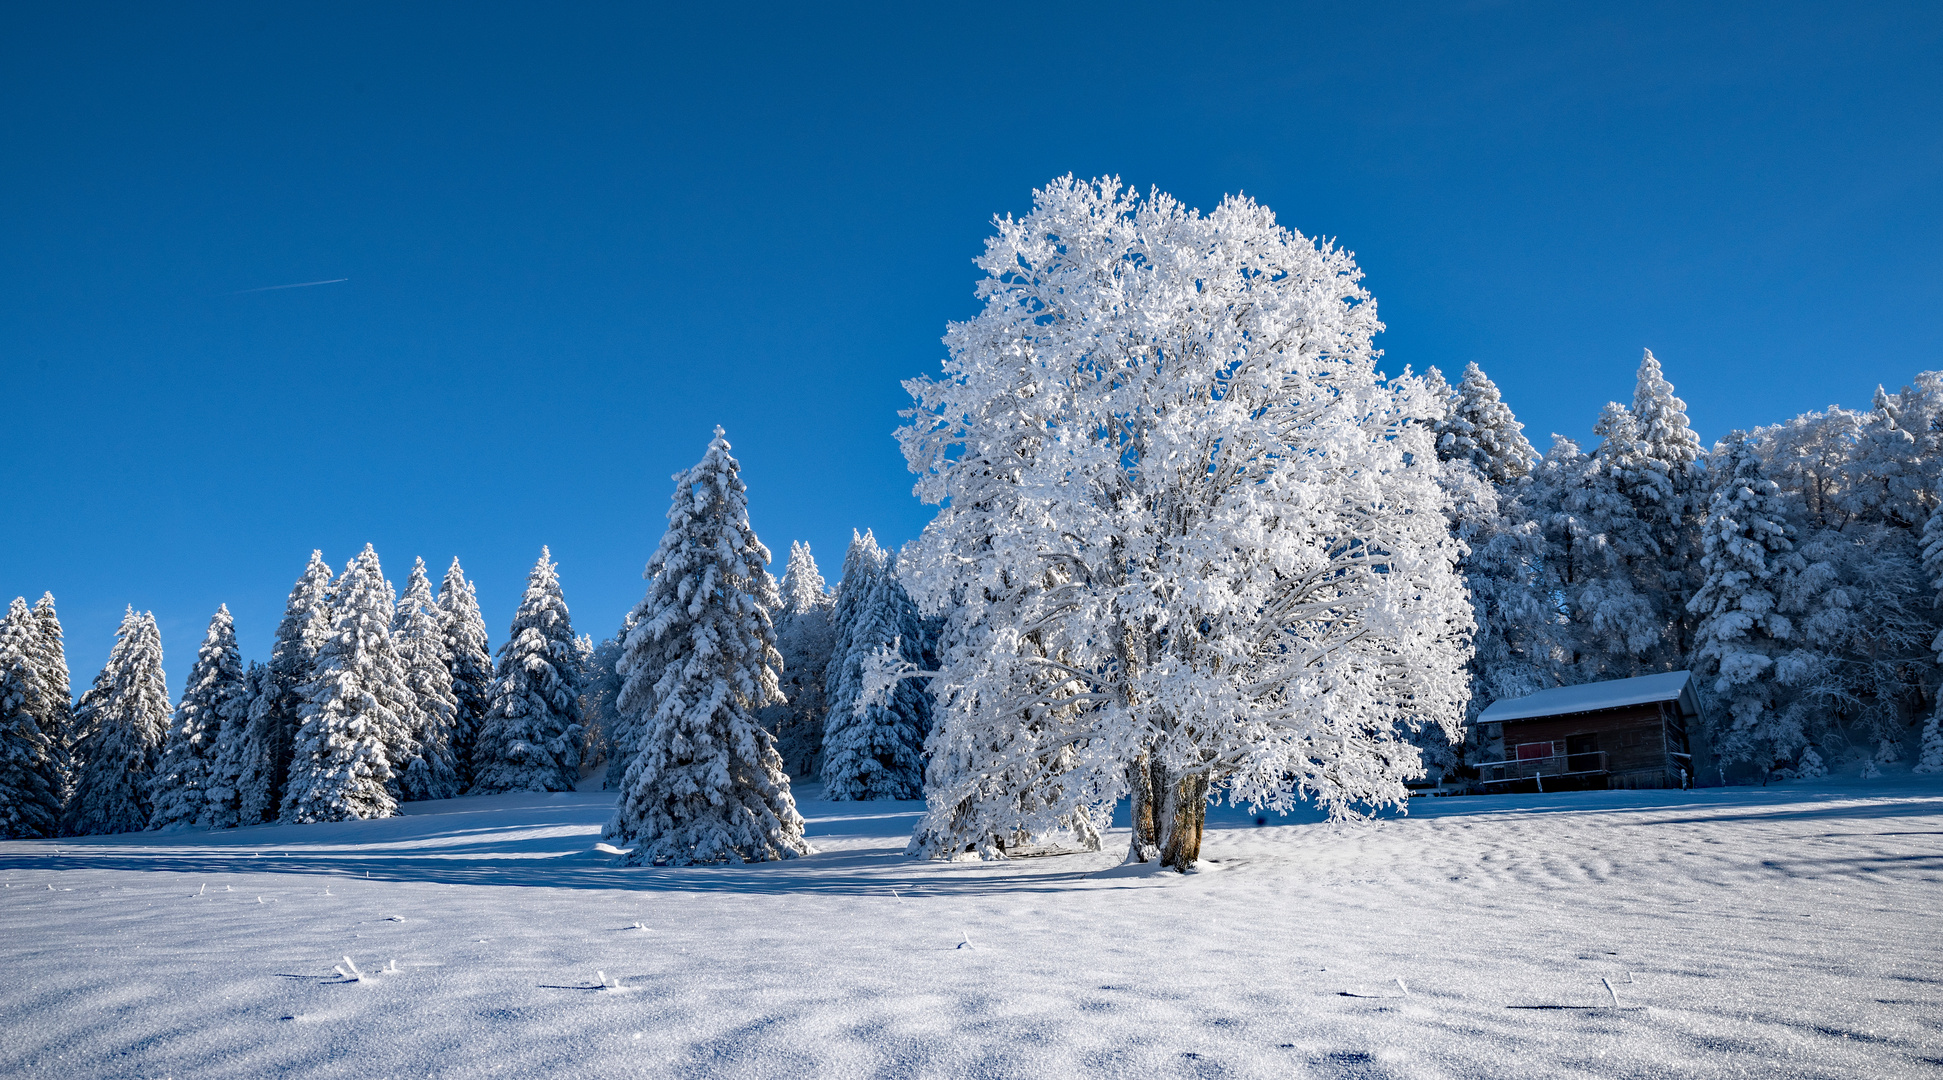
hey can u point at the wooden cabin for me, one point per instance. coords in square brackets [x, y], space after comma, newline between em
[1622, 733]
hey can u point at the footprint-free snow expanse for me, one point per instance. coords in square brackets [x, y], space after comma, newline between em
[1779, 932]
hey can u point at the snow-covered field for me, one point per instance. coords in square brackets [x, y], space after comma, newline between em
[1780, 932]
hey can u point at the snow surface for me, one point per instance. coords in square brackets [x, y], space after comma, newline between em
[1781, 932]
[1585, 697]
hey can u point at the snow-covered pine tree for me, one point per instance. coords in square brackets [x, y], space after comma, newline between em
[876, 751]
[622, 731]
[707, 784]
[276, 718]
[188, 787]
[803, 587]
[529, 739]
[124, 716]
[57, 719]
[472, 671]
[30, 795]
[1164, 531]
[237, 762]
[862, 563]
[1672, 515]
[355, 701]
[428, 770]
[1488, 477]
[1599, 551]
[1479, 429]
[244, 763]
[805, 638]
[1929, 750]
[600, 694]
[1860, 486]
[1929, 753]
[1742, 642]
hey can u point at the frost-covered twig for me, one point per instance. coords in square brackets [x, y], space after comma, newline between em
[353, 974]
[1610, 990]
[882, 670]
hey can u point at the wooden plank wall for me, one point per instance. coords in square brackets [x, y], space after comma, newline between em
[1635, 740]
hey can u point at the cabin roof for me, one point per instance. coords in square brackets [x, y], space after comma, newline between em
[1592, 697]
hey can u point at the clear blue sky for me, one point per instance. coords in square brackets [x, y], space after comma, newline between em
[577, 237]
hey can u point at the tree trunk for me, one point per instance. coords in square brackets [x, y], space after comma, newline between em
[1145, 845]
[1183, 814]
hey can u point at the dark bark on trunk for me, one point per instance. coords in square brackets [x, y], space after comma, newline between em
[1185, 805]
[1145, 845]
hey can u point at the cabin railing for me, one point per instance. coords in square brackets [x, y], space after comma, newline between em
[1589, 763]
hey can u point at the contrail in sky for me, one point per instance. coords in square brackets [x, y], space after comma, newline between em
[297, 285]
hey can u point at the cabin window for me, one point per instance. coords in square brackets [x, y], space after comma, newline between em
[1527, 751]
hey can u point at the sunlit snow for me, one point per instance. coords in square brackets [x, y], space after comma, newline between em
[1778, 932]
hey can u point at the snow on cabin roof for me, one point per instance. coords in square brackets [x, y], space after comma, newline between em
[1590, 697]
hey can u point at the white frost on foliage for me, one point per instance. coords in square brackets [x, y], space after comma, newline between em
[1182, 518]
[188, 787]
[354, 705]
[429, 770]
[120, 724]
[472, 672]
[529, 738]
[706, 784]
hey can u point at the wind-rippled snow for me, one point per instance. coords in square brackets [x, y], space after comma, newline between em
[1779, 932]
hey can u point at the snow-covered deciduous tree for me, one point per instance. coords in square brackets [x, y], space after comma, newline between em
[188, 788]
[1189, 540]
[354, 704]
[529, 739]
[472, 671]
[875, 749]
[30, 786]
[428, 770]
[805, 637]
[1744, 640]
[121, 721]
[706, 784]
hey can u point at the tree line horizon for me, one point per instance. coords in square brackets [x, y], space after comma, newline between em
[1190, 544]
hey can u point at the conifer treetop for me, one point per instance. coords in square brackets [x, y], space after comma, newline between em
[1480, 429]
[529, 737]
[1662, 419]
[30, 802]
[354, 704]
[185, 775]
[126, 713]
[707, 784]
[803, 587]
